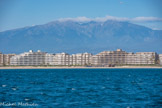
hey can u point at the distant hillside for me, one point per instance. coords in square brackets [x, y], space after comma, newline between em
[75, 37]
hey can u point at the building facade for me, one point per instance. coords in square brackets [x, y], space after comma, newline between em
[107, 58]
[82, 59]
[5, 59]
[62, 59]
[29, 59]
[120, 57]
[1, 59]
[65, 59]
[49, 59]
[130, 58]
[160, 59]
[145, 58]
[96, 60]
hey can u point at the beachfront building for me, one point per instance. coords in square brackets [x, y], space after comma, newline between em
[107, 58]
[119, 57]
[1, 59]
[5, 59]
[141, 58]
[145, 58]
[29, 59]
[160, 59]
[41, 58]
[62, 59]
[49, 59]
[65, 59]
[82, 59]
[96, 60]
[130, 58]
[86, 57]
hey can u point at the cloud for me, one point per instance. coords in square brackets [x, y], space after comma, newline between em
[146, 19]
[103, 19]
[78, 19]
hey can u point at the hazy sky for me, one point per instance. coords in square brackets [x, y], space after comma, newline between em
[21, 13]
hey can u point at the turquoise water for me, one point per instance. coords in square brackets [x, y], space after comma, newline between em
[82, 88]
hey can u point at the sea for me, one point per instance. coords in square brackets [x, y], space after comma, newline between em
[81, 88]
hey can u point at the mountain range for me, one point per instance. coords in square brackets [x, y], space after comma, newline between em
[77, 37]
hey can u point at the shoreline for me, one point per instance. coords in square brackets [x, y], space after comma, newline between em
[81, 67]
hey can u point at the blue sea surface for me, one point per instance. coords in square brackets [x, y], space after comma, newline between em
[82, 88]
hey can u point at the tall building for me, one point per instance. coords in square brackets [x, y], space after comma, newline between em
[117, 57]
[49, 59]
[29, 59]
[145, 58]
[141, 58]
[82, 59]
[1, 59]
[106, 58]
[96, 60]
[130, 58]
[160, 59]
[62, 59]
[86, 57]
[5, 59]
[79, 59]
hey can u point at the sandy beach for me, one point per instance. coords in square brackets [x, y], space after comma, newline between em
[77, 67]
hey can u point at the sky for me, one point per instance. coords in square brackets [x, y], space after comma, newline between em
[21, 13]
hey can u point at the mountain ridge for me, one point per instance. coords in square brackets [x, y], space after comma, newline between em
[75, 37]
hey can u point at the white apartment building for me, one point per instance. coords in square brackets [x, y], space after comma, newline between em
[62, 59]
[82, 59]
[106, 58]
[74, 59]
[29, 59]
[96, 60]
[141, 58]
[5, 59]
[1, 59]
[145, 58]
[49, 59]
[130, 58]
[160, 59]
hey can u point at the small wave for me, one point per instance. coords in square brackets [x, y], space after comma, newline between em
[26, 99]
[73, 89]
[4, 85]
[14, 88]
